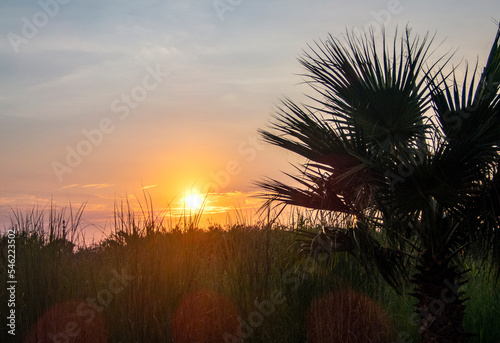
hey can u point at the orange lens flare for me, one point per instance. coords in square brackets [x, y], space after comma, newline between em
[70, 322]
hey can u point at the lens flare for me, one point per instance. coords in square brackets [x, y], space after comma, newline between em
[71, 322]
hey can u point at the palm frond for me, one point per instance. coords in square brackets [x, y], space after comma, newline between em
[418, 185]
[371, 98]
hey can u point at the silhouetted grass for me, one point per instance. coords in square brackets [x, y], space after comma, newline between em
[153, 280]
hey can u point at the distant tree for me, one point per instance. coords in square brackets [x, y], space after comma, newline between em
[407, 152]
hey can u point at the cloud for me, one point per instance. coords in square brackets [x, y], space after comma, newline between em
[71, 186]
[25, 199]
[150, 186]
[98, 185]
[225, 78]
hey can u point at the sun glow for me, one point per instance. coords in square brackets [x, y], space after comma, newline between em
[194, 201]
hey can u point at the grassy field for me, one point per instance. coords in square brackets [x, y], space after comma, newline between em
[151, 283]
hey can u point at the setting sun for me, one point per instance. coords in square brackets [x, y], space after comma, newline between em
[194, 201]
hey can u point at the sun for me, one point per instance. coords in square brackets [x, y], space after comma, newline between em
[194, 201]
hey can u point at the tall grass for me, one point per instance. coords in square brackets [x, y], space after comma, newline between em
[180, 283]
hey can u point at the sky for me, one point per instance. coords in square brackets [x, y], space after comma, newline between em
[101, 101]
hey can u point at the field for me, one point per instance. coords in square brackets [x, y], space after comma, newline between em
[150, 283]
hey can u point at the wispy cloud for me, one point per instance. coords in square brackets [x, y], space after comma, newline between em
[150, 186]
[98, 185]
[71, 186]
[6, 201]
[25, 199]
[220, 203]
[65, 79]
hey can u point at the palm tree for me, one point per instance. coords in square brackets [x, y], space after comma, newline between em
[408, 153]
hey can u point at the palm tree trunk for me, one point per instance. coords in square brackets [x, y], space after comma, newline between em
[440, 304]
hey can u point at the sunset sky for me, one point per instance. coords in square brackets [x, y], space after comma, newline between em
[100, 99]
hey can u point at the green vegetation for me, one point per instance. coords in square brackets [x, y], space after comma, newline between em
[408, 155]
[148, 282]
